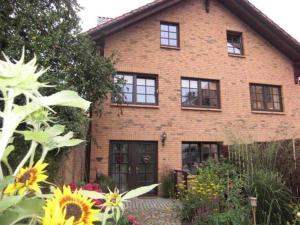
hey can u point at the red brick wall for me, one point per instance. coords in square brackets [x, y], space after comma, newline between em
[203, 54]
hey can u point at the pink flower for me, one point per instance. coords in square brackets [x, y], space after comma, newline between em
[131, 219]
[92, 187]
[73, 186]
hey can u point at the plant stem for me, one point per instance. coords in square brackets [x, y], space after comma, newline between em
[6, 129]
[24, 160]
[45, 151]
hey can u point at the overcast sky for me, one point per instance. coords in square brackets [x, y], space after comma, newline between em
[285, 13]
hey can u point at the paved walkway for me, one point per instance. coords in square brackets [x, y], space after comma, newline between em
[155, 211]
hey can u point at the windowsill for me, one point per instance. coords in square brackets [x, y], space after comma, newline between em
[201, 109]
[268, 112]
[135, 106]
[169, 47]
[236, 55]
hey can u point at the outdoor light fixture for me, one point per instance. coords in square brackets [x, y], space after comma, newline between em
[163, 138]
[253, 203]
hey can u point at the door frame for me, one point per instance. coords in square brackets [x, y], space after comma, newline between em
[130, 160]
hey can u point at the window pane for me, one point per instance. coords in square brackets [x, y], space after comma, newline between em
[193, 92]
[270, 105]
[277, 106]
[164, 34]
[128, 79]
[173, 42]
[150, 90]
[193, 84]
[141, 98]
[173, 35]
[275, 91]
[150, 82]
[259, 105]
[141, 81]
[164, 41]
[185, 100]
[213, 102]
[164, 27]
[141, 89]
[212, 86]
[127, 97]
[204, 85]
[276, 98]
[127, 88]
[185, 91]
[231, 50]
[151, 99]
[173, 28]
[259, 89]
[237, 51]
[185, 83]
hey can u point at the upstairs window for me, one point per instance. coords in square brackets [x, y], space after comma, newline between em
[266, 97]
[136, 89]
[235, 43]
[200, 93]
[169, 34]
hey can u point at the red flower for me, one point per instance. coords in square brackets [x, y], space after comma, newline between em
[92, 187]
[131, 219]
[73, 186]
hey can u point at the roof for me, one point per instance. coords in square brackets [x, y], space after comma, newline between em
[241, 8]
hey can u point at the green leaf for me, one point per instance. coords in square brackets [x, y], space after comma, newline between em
[26, 208]
[65, 98]
[7, 151]
[9, 201]
[139, 191]
[55, 130]
[37, 136]
[6, 181]
[92, 194]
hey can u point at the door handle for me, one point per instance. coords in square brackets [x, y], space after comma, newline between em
[137, 169]
[129, 170]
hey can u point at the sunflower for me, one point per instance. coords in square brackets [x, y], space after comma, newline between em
[28, 179]
[69, 208]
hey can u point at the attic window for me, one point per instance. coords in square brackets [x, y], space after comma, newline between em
[169, 35]
[235, 43]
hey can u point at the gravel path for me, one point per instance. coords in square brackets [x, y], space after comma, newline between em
[155, 211]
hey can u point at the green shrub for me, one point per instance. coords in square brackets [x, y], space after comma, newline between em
[216, 196]
[273, 197]
[105, 182]
[167, 185]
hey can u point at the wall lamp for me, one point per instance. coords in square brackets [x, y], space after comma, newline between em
[163, 138]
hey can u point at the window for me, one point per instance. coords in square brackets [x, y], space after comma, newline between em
[194, 153]
[266, 97]
[169, 34]
[235, 43]
[137, 89]
[200, 93]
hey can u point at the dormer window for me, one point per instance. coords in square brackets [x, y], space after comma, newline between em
[169, 35]
[235, 43]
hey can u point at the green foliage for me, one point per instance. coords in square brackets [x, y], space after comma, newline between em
[216, 196]
[167, 184]
[274, 198]
[51, 31]
[105, 182]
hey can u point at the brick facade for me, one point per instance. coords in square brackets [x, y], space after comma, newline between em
[202, 54]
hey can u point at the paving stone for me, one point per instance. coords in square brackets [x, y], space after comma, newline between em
[155, 211]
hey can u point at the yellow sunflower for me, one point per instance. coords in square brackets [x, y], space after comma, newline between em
[69, 208]
[28, 179]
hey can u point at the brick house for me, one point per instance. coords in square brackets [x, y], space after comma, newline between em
[195, 71]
